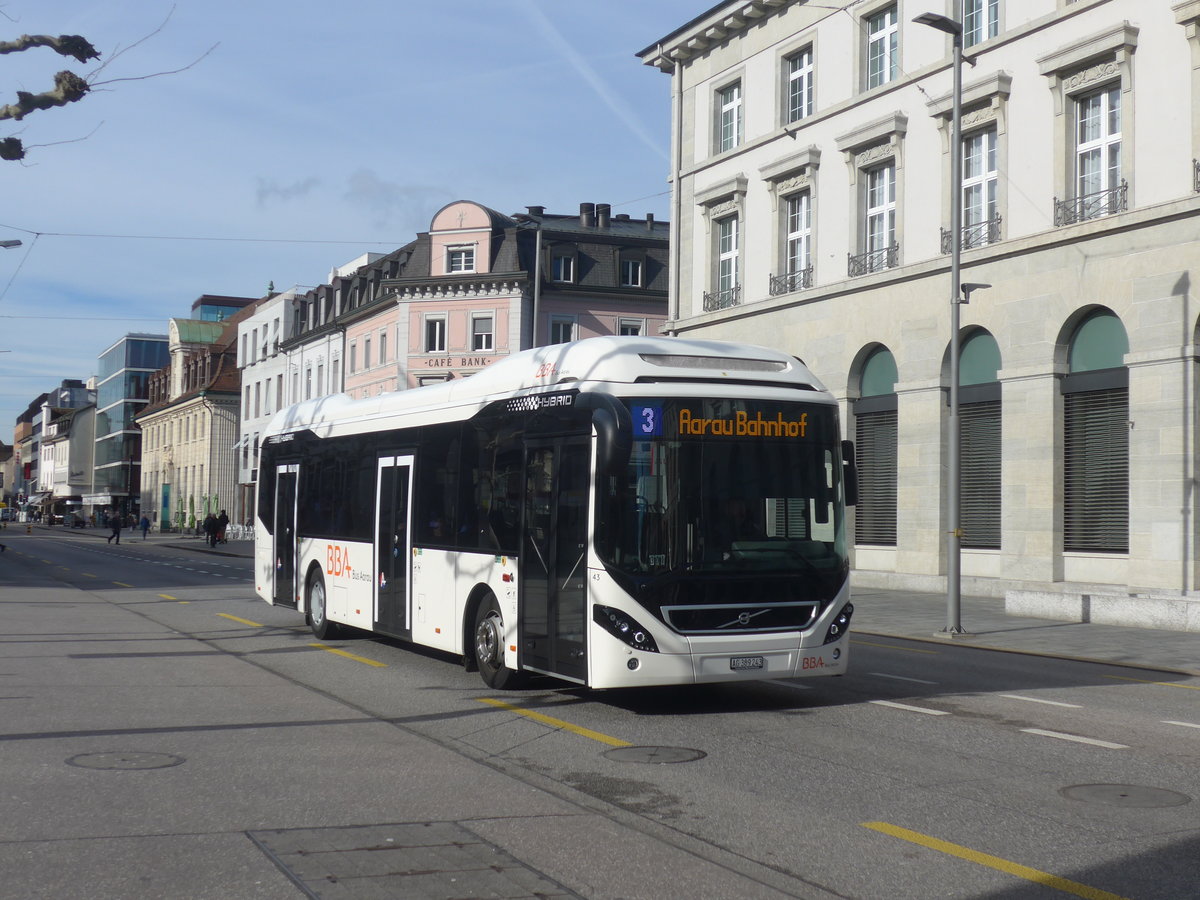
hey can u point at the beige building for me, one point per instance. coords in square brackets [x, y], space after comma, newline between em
[812, 201]
[190, 426]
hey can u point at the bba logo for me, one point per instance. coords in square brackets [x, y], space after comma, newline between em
[337, 561]
[812, 662]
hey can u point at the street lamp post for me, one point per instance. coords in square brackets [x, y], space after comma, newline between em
[957, 297]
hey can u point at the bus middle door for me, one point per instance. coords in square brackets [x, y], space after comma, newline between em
[393, 545]
[554, 556]
[284, 593]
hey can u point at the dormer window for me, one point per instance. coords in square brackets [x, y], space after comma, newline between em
[562, 267]
[631, 272]
[460, 258]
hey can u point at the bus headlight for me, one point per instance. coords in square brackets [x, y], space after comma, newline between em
[624, 627]
[839, 626]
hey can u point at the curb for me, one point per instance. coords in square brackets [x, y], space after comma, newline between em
[960, 642]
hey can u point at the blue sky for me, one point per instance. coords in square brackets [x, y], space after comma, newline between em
[306, 134]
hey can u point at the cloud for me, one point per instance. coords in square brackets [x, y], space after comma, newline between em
[270, 192]
[393, 204]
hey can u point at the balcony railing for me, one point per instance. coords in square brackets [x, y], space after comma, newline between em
[978, 235]
[1196, 175]
[1092, 206]
[791, 281]
[722, 299]
[872, 261]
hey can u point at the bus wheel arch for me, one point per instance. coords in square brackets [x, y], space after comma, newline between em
[478, 595]
[316, 605]
[487, 643]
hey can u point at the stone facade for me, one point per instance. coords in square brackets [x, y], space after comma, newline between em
[1052, 254]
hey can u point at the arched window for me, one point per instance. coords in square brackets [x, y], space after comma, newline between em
[875, 451]
[979, 441]
[1096, 438]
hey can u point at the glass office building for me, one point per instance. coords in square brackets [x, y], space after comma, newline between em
[121, 392]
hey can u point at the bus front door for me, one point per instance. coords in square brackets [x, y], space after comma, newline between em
[393, 548]
[554, 557]
[285, 535]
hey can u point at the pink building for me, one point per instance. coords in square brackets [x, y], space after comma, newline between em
[471, 290]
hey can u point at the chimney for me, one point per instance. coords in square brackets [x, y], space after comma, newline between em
[603, 211]
[536, 211]
[649, 221]
[587, 214]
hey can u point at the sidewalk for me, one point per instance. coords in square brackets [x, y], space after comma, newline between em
[134, 536]
[914, 615]
[922, 616]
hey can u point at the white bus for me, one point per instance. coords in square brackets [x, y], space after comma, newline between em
[613, 512]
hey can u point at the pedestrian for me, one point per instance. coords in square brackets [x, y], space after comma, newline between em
[222, 524]
[144, 525]
[115, 521]
[210, 530]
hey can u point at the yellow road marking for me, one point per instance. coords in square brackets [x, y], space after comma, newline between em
[362, 659]
[87, 575]
[994, 862]
[556, 723]
[891, 646]
[1186, 687]
[233, 618]
[122, 584]
[168, 597]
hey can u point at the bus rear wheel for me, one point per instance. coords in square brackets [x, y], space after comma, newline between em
[489, 647]
[318, 611]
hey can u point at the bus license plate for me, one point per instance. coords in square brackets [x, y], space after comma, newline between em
[745, 662]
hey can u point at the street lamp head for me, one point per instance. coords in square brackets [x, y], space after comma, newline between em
[940, 22]
[8, 245]
[968, 286]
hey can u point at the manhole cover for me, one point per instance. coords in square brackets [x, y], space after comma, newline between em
[124, 759]
[657, 755]
[1128, 795]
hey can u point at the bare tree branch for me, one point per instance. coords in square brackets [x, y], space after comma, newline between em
[11, 149]
[64, 45]
[118, 52]
[68, 87]
[195, 61]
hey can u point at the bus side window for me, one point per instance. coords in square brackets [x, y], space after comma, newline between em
[436, 487]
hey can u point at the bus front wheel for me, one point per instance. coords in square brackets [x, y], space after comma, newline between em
[318, 612]
[489, 646]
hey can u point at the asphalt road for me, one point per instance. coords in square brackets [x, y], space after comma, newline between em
[167, 734]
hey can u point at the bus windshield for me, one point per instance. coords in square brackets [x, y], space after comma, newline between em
[728, 487]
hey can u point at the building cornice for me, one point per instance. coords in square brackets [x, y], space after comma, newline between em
[719, 25]
[479, 285]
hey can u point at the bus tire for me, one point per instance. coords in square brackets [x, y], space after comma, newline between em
[318, 609]
[489, 647]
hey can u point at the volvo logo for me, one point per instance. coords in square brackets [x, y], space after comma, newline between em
[744, 618]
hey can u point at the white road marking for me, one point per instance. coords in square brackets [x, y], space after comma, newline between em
[901, 678]
[905, 706]
[1076, 738]
[1039, 700]
[1183, 724]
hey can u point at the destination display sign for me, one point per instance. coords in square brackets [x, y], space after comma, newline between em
[694, 420]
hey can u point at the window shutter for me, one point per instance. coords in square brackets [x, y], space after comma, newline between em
[1096, 471]
[979, 501]
[875, 451]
